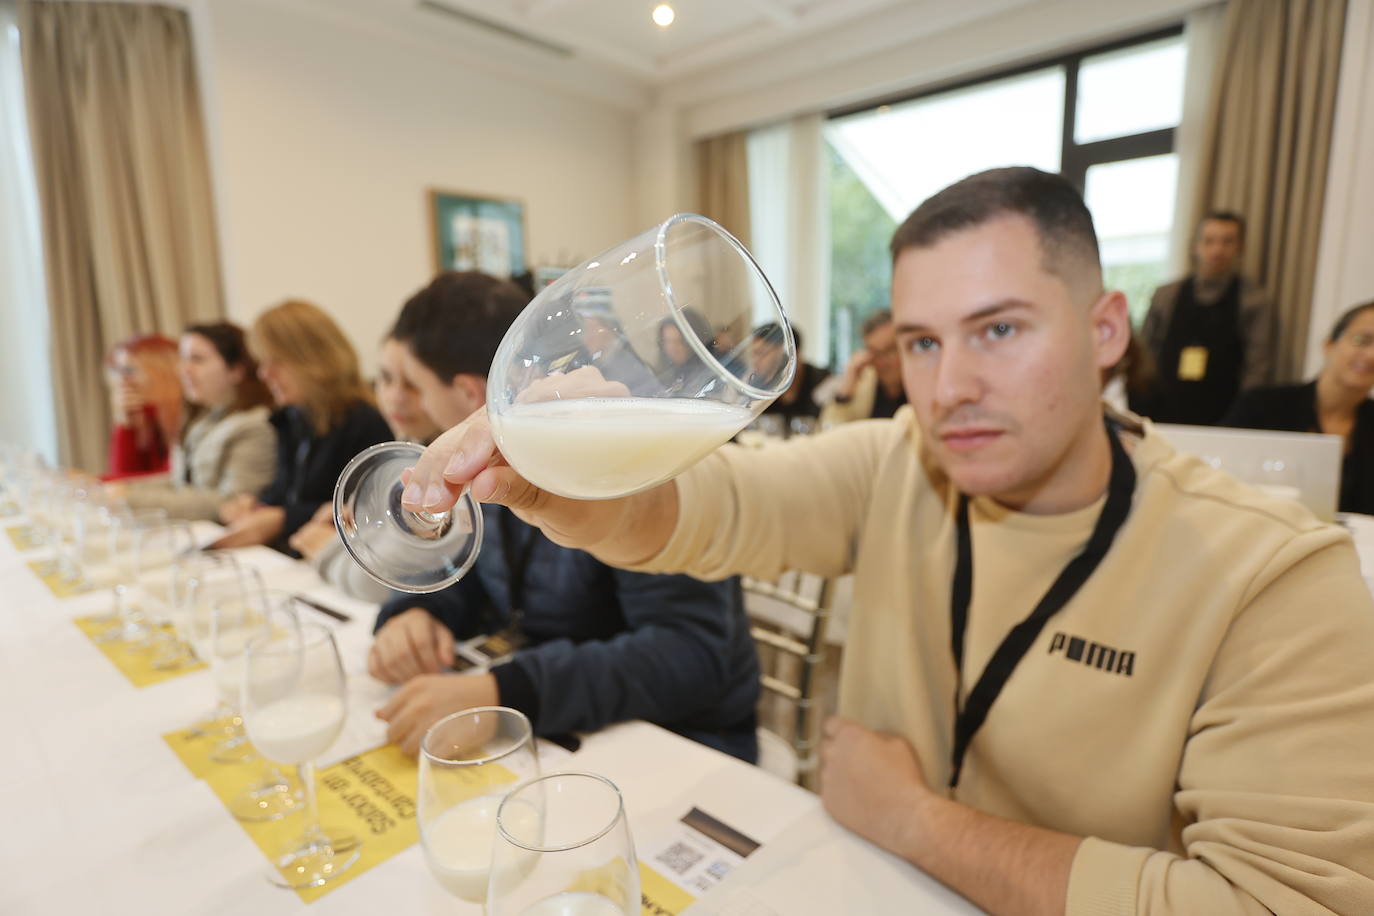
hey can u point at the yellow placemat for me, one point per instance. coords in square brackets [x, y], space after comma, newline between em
[134, 664]
[53, 580]
[659, 896]
[22, 538]
[371, 796]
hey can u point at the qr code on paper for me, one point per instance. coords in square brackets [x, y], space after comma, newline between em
[680, 857]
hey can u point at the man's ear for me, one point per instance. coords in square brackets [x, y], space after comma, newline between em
[1111, 328]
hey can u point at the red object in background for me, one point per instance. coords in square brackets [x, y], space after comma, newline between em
[128, 460]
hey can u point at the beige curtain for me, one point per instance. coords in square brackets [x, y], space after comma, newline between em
[1266, 153]
[124, 185]
[723, 182]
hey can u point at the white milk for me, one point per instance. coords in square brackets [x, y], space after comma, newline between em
[600, 448]
[458, 844]
[296, 729]
[575, 903]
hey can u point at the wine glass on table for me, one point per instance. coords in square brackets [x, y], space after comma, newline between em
[611, 381]
[563, 848]
[294, 706]
[469, 761]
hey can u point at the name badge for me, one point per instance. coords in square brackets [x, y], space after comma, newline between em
[1192, 364]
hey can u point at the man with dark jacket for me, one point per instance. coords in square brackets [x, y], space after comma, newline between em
[592, 645]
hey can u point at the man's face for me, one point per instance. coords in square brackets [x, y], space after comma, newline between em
[1218, 248]
[766, 358]
[881, 343]
[1000, 363]
[446, 403]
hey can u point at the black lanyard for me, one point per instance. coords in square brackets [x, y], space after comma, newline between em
[1018, 641]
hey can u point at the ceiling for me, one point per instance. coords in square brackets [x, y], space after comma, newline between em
[620, 33]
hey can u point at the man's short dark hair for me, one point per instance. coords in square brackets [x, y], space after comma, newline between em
[874, 322]
[772, 334]
[454, 325]
[1050, 202]
[1225, 216]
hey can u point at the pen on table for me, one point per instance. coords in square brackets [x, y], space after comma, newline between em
[323, 609]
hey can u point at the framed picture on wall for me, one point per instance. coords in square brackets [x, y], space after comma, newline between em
[477, 233]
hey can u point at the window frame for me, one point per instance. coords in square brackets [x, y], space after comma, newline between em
[1074, 158]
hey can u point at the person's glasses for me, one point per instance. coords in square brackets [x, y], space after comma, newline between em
[469, 761]
[563, 846]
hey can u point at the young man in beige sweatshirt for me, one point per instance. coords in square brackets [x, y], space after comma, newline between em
[1085, 674]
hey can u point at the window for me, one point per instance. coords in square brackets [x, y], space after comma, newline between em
[1104, 118]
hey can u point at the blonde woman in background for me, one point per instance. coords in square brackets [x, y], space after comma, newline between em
[318, 540]
[227, 446]
[324, 417]
[145, 399]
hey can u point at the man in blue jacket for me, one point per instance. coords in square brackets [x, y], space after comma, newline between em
[597, 645]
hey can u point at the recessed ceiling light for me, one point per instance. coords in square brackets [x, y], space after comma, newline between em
[664, 15]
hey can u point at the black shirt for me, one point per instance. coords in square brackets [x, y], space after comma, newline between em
[308, 465]
[805, 405]
[1293, 408]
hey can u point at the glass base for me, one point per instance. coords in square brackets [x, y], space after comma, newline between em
[234, 750]
[315, 860]
[268, 801]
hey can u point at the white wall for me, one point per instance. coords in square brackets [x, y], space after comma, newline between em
[1345, 270]
[326, 136]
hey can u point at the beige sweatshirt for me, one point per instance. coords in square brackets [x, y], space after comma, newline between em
[1202, 710]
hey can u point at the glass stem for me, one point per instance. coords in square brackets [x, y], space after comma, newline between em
[313, 831]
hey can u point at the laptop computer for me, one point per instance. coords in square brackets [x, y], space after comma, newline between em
[1306, 466]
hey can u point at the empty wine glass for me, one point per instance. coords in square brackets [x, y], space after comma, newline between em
[563, 848]
[123, 532]
[156, 548]
[613, 379]
[468, 762]
[294, 706]
[404, 550]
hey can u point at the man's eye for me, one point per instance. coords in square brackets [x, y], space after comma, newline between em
[999, 330]
[924, 344]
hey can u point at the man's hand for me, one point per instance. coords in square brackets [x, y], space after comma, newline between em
[426, 699]
[258, 526]
[622, 531]
[236, 507]
[408, 645]
[860, 361]
[316, 534]
[872, 783]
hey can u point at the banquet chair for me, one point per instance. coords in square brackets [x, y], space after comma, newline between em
[787, 620]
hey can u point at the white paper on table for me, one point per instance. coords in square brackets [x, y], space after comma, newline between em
[817, 866]
[692, 859]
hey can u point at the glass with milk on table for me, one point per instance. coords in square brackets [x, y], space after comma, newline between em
[618, 376]
[469, 761]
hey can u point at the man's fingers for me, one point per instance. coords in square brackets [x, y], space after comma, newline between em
[427, 489]
[391, 707]
[443, 646]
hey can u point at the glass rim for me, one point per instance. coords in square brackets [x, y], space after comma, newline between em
[318, 632]
[690, 337]
[581, 774]
[475, 513]
[491, 758]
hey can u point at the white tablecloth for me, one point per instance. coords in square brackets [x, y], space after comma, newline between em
[101, 817]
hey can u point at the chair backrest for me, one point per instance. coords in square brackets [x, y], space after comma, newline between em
[1308, 463]
[787, 621]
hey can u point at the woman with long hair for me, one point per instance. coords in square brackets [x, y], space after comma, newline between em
[1336, 402]
[226, 446]
[145, 398]
[325, 416]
